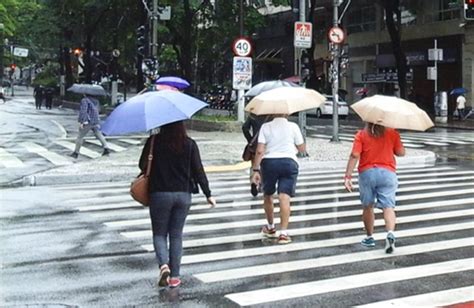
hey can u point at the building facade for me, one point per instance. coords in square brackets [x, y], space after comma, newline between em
[371, 61]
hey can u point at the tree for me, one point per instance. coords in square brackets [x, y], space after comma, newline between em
[393, 20]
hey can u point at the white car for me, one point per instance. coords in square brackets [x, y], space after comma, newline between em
[326, 109]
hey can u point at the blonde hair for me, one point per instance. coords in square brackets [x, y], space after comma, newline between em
[375, 130]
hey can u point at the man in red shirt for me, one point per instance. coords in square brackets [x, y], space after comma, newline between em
[374, 147]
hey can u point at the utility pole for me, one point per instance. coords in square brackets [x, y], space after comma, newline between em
[335, 77]
[301, 114]
[2, 43]
[154, 37]
[241, 92]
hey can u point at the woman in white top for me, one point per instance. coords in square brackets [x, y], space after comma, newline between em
[460, 106]
[276, 163]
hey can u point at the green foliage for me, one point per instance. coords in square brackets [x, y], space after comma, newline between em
[48, 76]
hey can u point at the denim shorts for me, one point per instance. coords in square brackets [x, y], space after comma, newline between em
[283, 171]
[377, 186]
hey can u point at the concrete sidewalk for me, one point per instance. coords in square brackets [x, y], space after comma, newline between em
[220, 152]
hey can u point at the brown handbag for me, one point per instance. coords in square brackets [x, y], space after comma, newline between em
[250, 149]
[139, 186]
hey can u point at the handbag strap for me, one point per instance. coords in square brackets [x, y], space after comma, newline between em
[150, 156]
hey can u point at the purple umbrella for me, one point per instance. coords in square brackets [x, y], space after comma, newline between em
[177, 82]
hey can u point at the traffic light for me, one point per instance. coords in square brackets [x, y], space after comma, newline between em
[469, 9]
[306, 66]
[142, 40]
[77, 52]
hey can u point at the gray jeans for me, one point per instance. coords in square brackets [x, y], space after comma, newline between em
[83, 132]
[168, 211]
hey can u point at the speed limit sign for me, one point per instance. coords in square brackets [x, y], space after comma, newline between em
[241, 47]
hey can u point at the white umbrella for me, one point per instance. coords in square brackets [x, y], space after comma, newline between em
[394, 112]
[285, 101]
[261, 87]
[91, 89]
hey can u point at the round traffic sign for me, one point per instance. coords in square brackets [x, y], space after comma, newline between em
[241, 47]
[336, 35]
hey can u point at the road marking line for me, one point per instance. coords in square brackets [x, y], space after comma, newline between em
[61, 128]
[332, 242]
[188, 228]
[54, 158]
[433, 299]
[312, 263]
[349, 282]
[111, 145]
[84, 151]
[310, 230]
[9, 160]
[131, 141]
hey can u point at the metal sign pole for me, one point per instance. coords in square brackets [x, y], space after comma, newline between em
[302, 114]
[335, 79]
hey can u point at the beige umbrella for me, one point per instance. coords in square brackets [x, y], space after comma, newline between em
[285, 101]
[394, 112]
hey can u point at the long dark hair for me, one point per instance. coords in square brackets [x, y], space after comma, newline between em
[174, 136]
[375, 130]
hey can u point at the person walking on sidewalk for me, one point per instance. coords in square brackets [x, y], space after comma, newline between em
[38, 94]
[253, 123]
[175, 166]
[89, 120]
[275, 163]
[460, 106]
[374, 147]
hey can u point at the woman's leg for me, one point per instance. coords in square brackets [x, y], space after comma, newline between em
[161, 204]
[179, 212]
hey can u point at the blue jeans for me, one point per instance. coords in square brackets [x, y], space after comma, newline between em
[168, 211]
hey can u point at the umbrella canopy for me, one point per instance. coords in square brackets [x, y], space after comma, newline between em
[151, 110]
[177, 82]
[285, 101]
[160, 87]
[269, 85]
[458, 91]
[90, 89]
[394, 112]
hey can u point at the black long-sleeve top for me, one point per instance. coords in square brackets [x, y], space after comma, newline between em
[172, 171]
[253, 123]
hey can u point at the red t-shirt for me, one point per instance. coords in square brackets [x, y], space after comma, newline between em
[377, 151]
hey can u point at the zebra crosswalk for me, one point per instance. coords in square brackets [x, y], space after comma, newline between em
[227, 259]
[410, 139]
[57, 154]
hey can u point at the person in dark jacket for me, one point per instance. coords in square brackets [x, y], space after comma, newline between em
[48, 97]
[38, 93]
[250, 129]
[175, 167]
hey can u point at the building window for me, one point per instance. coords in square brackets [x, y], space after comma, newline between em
[440, 10]
[361, 19]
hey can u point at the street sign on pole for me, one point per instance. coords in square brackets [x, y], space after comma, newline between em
[303, 35]
[242, 73]
[241, 47]
[20, 52]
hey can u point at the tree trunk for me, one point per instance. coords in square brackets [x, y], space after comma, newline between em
[186, 47]
[394, 29]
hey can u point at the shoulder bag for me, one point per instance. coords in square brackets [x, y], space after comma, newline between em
[140, 186]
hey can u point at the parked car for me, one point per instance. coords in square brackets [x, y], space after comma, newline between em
[326, 109]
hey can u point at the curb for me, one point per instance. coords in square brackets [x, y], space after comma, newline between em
[42, 180]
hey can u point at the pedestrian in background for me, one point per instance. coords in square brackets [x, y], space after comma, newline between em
[176, 164]
[250, 129]
[374, 147]
[89, 120]
[38, 94]
[48, 97]
[276, 167]
[460, 106]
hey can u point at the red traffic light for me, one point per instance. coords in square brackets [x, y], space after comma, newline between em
[77, 52]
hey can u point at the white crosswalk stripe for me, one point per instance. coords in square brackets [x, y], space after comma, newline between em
[223, 246]
[409, 139]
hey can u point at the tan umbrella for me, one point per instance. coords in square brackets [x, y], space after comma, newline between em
[394, 112]
[285, 101]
